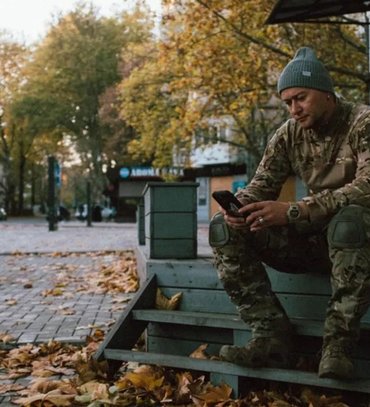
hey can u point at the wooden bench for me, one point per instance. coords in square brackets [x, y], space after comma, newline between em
[206, 316]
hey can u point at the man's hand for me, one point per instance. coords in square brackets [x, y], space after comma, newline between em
[236, 222]
[265, 214]
[259, 215]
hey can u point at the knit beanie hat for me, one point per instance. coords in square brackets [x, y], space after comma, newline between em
[305, 71]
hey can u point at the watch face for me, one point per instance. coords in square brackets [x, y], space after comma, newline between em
[293, 212]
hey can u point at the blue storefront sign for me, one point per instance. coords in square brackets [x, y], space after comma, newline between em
[124, 172]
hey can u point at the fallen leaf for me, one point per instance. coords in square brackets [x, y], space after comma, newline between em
[54, 397]
[146, 382]
[216, 394]
[200, 352]
[7, 388]
[162, 302]
[67, 310]
[6, 338]
[55, 292]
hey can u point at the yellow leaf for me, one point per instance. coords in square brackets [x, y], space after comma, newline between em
[216, 394]
[45, 386]
[5, 338]
[162, 302]
[67, 311]
[89, 387]
[5, 388]
[54, 397]
[200, 352]
[142, 380]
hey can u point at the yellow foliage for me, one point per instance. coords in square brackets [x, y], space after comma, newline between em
[218, 58]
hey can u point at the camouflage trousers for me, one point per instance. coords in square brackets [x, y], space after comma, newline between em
[240, 266]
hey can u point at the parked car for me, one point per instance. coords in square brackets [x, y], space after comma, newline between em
[3, 215]
[108, 213]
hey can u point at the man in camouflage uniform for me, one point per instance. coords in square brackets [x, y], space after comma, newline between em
[326, 144]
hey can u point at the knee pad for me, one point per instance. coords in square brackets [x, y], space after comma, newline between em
[347, 229]
[219, 234]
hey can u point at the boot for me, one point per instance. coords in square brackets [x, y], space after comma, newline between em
[259, 352]
[336, 362]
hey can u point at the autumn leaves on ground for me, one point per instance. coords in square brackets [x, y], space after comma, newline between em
[66, 375]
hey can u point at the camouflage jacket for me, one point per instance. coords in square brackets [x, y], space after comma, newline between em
[334, 163]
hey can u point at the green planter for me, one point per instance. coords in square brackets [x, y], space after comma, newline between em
[171, 220]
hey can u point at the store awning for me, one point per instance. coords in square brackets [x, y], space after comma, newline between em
[305, 10]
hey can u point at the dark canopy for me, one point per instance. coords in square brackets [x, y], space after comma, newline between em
[305, 10]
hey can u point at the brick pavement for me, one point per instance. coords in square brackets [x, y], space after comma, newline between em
[32, 260]
[29, 314]
[32, 256]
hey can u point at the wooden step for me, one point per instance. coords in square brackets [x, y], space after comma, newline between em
[208, 319]
[225, 368]
[228, 321]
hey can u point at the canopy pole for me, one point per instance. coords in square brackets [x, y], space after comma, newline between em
[367, 38]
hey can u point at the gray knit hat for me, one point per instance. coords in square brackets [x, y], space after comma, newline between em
[305, 71]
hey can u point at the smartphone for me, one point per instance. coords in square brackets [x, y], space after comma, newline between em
[228, 202]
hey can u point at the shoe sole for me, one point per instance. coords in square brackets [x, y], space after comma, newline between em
[334, 375]
[276, 361]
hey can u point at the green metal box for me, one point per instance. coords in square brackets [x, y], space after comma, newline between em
[171, 220]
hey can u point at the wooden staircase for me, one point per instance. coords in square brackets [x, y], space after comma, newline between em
[206, 316]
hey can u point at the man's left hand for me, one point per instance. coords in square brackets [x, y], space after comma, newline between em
[265, 214]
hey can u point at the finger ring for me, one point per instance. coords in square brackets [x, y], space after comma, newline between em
[261, 220]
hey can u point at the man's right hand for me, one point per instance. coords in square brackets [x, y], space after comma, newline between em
[236, 222]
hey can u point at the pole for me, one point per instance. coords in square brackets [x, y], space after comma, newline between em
[52, 215]
[88, 193]
[367, 40]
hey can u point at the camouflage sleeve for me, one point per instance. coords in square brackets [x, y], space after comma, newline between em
[357, 192]
[271, 173]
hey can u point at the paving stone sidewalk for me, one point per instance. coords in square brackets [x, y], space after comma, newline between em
[44, 297]
[34, 261]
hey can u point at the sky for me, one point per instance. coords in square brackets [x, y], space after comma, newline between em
[28, 20]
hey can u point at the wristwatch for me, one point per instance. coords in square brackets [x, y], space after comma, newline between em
[294, 213]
